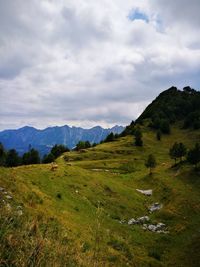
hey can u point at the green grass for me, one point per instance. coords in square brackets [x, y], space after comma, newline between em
[81, 203]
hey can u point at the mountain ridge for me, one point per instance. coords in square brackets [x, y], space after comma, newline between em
[43, 139]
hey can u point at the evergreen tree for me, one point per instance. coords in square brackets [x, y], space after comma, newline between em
[48, 158]
[193, 156]
[158, 135]
[173, 152]
[110, 138]
[31, 157]
[150, 163]
[165, 126]
[178, 150]
[87, 144]
[2, 155]
[12, 159]
[80, 145]
[181, 151]
[58, 150]
[138, 137]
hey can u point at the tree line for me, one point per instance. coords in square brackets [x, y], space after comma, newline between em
[11, 158]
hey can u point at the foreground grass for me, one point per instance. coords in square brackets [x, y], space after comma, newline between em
[71, 216]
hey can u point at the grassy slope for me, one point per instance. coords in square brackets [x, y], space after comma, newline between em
[93, 201]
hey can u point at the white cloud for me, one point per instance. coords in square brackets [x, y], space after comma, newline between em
[86, 63]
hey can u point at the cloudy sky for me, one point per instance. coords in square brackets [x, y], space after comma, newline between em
[89, 62]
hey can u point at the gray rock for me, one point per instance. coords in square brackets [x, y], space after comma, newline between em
[145, 192]
[155, 206]
[139, 220]
[159, 228]
[132, 221]
[1, 189]
[152, 227]
[143, 219]
[122, 221]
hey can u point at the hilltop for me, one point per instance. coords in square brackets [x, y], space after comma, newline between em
[81, 214]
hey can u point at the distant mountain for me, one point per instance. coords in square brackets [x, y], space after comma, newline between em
[42, 140]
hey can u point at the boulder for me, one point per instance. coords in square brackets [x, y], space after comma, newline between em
[132, 221]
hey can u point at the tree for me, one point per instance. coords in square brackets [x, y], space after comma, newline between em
[87, 144]
[173, 152]
[12, 159]
[31, 157]
[48, 158]
[138, 137]
[80, 145]
[178, 150]
[57, 150]
[193, 156]
[150, 163]
[158, 135]
[2, 155]
[182, 150]
[165, 126]
[110, 138]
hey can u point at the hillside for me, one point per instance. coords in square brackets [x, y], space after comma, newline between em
[175, 105]
[78, 214]
[44, 140]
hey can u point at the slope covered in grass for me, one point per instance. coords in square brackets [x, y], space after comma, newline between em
[71, 216]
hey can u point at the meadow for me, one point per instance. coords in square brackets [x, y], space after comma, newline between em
[77, 215]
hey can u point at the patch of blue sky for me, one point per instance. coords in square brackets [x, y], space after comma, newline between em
[136, 14]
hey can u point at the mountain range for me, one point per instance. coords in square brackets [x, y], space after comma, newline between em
[43, 140]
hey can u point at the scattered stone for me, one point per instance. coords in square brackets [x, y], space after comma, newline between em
[140, 220]
[1, 189]
[122, 221]
[132, 221]
[5, 192]
[158, 228]
[155, 206]
[145, 192]
[77, 191]
[143, 219]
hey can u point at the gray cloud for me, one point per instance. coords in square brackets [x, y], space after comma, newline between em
[86, 63]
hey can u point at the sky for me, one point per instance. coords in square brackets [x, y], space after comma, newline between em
[87, 63]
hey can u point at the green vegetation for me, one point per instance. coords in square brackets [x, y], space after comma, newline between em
[178, 150]
[71, 216]
[82, 145]
[194, 155]
[138, 137]
[82, 211]
[150, 163]
[174, 105]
